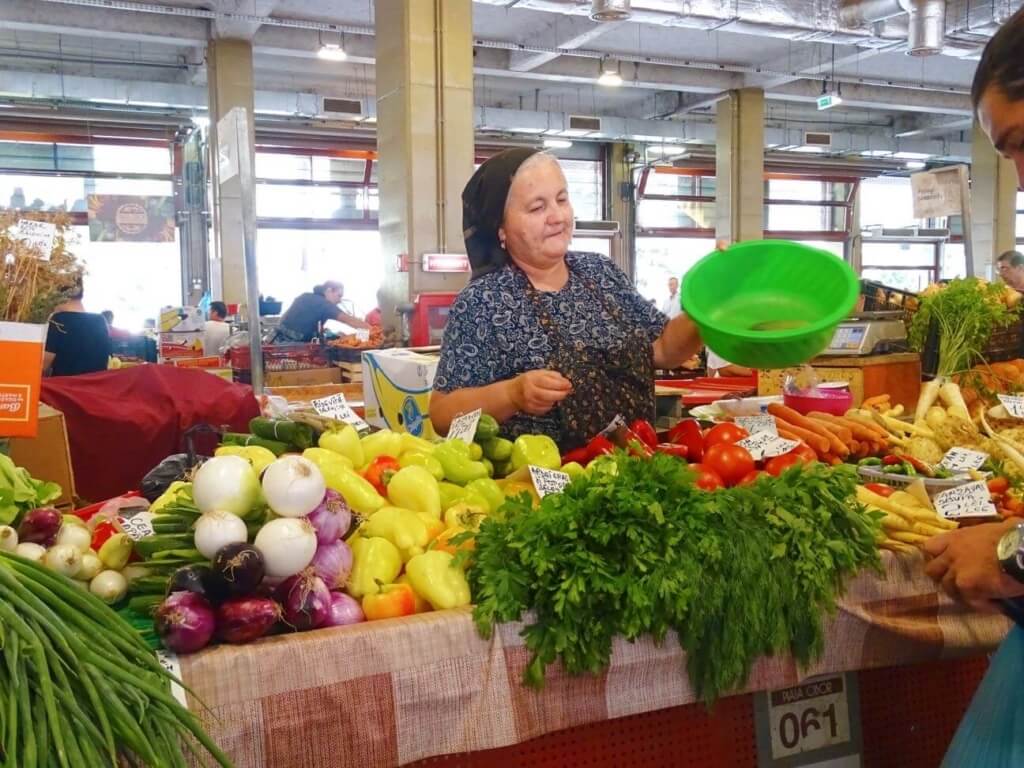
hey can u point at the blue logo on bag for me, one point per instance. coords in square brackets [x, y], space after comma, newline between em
[412, 417]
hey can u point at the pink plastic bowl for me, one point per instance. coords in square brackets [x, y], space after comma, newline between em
[834, 401]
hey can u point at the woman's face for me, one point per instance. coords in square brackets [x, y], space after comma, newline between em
[538, 215]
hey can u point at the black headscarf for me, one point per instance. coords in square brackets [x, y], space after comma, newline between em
[483, 208]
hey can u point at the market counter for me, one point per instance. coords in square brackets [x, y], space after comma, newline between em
[394, 692]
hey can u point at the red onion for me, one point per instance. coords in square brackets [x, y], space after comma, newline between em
[40, 526]
[332, 518]
[333, 563]
[245, 619]
[185, 622]
[305, 600]
[344, 610]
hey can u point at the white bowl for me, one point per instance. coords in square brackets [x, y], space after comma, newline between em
[747, 406]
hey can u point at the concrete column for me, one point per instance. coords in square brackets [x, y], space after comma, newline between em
[229, 65]
[739, 197]
[424, 137]
[993, 203]
[621, 207]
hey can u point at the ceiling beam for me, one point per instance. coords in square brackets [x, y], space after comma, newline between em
[566, 33]
[879, 98]
[237, 28]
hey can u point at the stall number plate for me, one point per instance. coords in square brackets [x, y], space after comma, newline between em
[815, 723]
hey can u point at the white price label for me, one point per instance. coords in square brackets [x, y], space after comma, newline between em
[765, 446]
[138, 526]
[169, 661]
[763, 422]
[336, 407]
[363, 334]
[464, 426]
[1014, 404]
[970, 500]
[548, 480]
[617, 423]
[37, 234]
[963, 459]
[809, 717]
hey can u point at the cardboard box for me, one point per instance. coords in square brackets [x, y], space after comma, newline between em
[21, 372]
[396, 390]
[302, 378]
[47, 456]
[175, 345]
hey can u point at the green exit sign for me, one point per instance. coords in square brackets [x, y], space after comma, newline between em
[829, 100]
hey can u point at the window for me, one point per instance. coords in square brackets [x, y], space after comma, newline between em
[907, 266]
[586, 188]
[954, 263]
[887, 202]
[790, 205]
[659, 258]
[601, 245]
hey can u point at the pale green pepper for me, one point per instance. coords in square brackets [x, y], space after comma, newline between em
[344, 440]
[459, 468]
[356, 490]
[450, 494]
[488, 465]
[535, 450]
[375, 562]
[383, 443]
[476, 451]
[498, 449]
[414, 443]
[416, 489]
[402, 527]
[428, 462]
[486, 428]
[438, 581]
[489, 491]
[574, 469]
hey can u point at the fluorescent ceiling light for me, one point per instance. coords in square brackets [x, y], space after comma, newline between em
[809, 150]
[557, 143]
[331, 52]
[528, 130]
[911, 156]
[876, 153]
[610, 75]
[200, 121]
[916, 165]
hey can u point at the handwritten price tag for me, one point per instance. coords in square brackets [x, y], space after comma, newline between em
[138, 526]
[363, 334]
[464, 427]
[548, 480]
[336, 407]
[37, 234]
[169, 661]
[761, 423]
[765, 446]
[970, 500]
[1014, 404]
[963, 459]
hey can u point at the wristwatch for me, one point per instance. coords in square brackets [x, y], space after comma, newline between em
[1010, 552]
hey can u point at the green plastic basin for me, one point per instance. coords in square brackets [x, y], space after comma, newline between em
[769, 303]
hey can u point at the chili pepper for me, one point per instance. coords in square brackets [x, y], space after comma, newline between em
[392, 601]
[892, 460]
[645, 431]
[458, 467]
[672, 449]
[402, 527]
[486, 429]
[870, 461]
[536, 450]
[329, 463]
[435, 579]
[375, 561]
[380, 471]
[917, 464]
[636, 445]
[881, 489]
[576, 456]
[687, 432]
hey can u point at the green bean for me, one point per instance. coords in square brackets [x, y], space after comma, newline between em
[28, 747]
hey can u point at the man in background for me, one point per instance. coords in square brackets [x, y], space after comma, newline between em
[1010, 266]
[672, 307]
[77, 341]
[216, 330]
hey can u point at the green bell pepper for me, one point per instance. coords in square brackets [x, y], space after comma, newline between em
[459, 468]
[536, 450]
[486, 429]
[476, 451]
[428, 462]
[489, 491]
[437, 580]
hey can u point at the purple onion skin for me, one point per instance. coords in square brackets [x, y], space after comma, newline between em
[40, 526]
[331, 519]
[185, 622]
[344, 610]
[305, 600]
[244, 619]
[333, 563]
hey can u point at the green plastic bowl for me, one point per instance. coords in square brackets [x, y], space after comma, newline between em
[769, 303]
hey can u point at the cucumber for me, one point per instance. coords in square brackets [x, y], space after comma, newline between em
[150, 546]
[146, 604]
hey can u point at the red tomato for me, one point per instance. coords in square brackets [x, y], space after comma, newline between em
[998, 485]
[707, 479]
[751, 477]
[1013, 505]
[731, 462]
[805, 453]
[724, 433]
[779, 464]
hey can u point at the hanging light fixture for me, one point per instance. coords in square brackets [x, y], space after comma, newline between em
[610, 75]
[331, 51]
[610, 10]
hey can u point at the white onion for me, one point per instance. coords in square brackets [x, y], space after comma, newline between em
[287, 545]
[91, 565]
[217, 528]
[109, 586]
[8, 539]
[64, 559]
[226, 483]
[293, 486]
[31, 551]
[77, 536]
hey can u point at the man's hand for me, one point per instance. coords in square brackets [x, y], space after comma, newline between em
[537, 392]
[965, 564]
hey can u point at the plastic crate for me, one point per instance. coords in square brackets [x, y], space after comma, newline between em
[282, 357]
[1004, 344]
[931, 484]
[882, 298]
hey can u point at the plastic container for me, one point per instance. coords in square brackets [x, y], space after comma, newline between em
[834, 401]
[747, 406]
[769, 303]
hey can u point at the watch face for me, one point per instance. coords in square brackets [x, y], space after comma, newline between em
[1010, 543]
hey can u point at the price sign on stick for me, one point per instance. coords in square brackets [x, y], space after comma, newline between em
[970, 500]
[763, 422]
[548, 480]
[1014, 404]
[138, 526]
[464, 426]
[963, 460]
[336, 407]
[764, 445]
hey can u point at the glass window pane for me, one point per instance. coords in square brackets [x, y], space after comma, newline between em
[954, 264]
[670, 213]
[913, 280]
[338, 169]
[835, 248]
[798, 218]
[585, 188]
[796, 189]
[113, 159]
[672, 184]
[270, 165]
[42, 193]
[601, 245]
[659, 258]
[27, 155]
[898, 254]
[887, 202]
[300, 202]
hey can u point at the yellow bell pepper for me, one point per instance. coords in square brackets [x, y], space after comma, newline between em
[433, 577]
[574, 469]
[434, 526]
[402, 527]
[536, 450]
[489, 491]
[375, 562]
[422, 606]
[413, 443]
[383, 443]
[450, 494]
[425, 460]
[358, 493]
[344, 440]
[464, 515]
[257, 455]
[415, 488]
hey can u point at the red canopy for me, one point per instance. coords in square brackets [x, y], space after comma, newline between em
[123, 423]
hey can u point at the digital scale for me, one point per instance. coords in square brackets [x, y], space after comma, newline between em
[869, 333]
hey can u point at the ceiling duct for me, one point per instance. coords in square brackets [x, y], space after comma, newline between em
[610, 10]
[926, 26]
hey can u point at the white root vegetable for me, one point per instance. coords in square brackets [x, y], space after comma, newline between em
[929, 394]
[998, 412]
[935, 417]
[1010, 448]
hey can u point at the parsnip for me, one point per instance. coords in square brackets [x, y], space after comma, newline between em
[929, 394]
[909, 538]
[1010, 448]
[928, 530]
[913, 514]
[897, 546]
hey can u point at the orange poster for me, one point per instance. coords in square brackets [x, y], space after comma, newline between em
[21, 375]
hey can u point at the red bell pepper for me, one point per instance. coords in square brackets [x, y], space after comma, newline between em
[380, 472]
[645, 431]
[672, 449]
[578, 455]
[687, 432]
[599, 446]
[102, 532]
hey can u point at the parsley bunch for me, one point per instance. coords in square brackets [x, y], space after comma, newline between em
[736, 574]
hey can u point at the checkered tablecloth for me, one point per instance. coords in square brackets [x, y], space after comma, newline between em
[392, 692]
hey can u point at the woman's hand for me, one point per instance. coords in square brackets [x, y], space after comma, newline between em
[537, 392]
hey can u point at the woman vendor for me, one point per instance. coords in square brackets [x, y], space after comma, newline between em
[546, 340]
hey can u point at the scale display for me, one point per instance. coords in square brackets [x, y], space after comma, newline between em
[848, 338]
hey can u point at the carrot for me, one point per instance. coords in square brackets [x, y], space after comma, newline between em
[879, 400]
[861, 431]
[813, 439]
[780, 411]
[836, 429]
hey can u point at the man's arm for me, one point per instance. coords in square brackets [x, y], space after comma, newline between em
[351, 320]
[48, 358]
